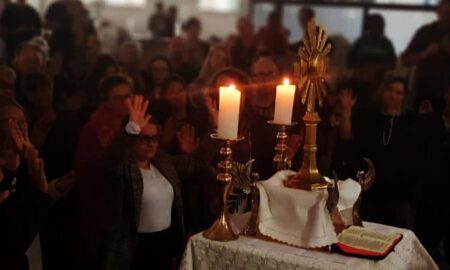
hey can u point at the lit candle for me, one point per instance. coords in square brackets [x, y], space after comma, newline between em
[284, 102]
[229, 104]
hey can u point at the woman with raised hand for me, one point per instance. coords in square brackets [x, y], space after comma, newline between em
[25, 194]
[389, 136]
[145, 205]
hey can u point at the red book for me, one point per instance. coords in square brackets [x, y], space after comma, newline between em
[363, 242]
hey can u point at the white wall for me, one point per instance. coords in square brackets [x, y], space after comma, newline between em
[135, 19]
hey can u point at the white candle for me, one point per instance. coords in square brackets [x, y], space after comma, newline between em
[229, 104]
[284, 103]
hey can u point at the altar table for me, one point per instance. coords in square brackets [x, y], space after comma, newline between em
[250, 253]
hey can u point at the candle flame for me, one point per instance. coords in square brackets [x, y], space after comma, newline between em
[232, 87]
[286, 81]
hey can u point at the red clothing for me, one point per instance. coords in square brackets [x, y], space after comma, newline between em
[92, 183]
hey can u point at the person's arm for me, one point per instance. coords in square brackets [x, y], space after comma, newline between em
[347, 101]
[198, 152]
[419, 49]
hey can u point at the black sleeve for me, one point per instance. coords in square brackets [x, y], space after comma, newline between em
[21, 217]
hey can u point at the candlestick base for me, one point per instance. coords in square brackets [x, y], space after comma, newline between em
[221, 230]
[308, 177]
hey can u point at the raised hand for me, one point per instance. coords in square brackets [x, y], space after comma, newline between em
[347, 99]
[137, 109]
[35, 168]
[19, 136]
[186, 139]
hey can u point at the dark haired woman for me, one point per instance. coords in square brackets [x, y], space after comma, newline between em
[389, 137]
[23, 212]
[159, 70]
[146, 226]
[55, 135]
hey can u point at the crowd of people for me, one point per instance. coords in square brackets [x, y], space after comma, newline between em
[109, 158]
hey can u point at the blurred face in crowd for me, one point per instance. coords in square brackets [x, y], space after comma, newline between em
[393, 98]
[116, 101]
[29, 60]
[130, 54]
[8, 153]
[218, 59]
[264, 75]
[193, 31]
[245, 27]
[443, 12]
[175, 94]
[147, 144]
[159, 70]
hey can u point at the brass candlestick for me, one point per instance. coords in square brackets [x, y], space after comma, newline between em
[279, 160]
[221, 230]
[311, 72]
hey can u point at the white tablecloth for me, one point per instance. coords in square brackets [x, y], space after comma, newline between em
[249, 253]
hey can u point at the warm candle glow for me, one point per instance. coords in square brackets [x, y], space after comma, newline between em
[229, 104]
[284, 102]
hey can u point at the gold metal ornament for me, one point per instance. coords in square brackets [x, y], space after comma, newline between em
[280, 161]
[311, 72]
[221, 229]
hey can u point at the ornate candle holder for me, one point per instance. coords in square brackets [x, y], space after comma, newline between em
[221, 230]
[311, 71]
[279, 160]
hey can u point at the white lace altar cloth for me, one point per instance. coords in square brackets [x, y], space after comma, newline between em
[300, 217]
[250, 253]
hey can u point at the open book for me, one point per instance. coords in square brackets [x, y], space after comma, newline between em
[363, 242]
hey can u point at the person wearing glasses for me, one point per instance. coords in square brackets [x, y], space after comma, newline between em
[145, 203]
[25, 195]
[104, 125]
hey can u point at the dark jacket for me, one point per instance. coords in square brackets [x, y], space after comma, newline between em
[21, 217]
[126, 189]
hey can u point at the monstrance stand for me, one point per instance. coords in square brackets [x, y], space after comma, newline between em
[311, 70]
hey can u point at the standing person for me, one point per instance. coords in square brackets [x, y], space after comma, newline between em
[159, 70]
[372, 55]
[19, 23]
[429, 50]
[272, 37]
[55, 135]
[388, 137]
[188, 52]
[104, 125]
[129, 58]
[26, 195]
[244, 49]
[147, 218]
[171, 21]
[433, 200]
[157, 23]
[105, 64]
[261, 106]
[305, 14]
